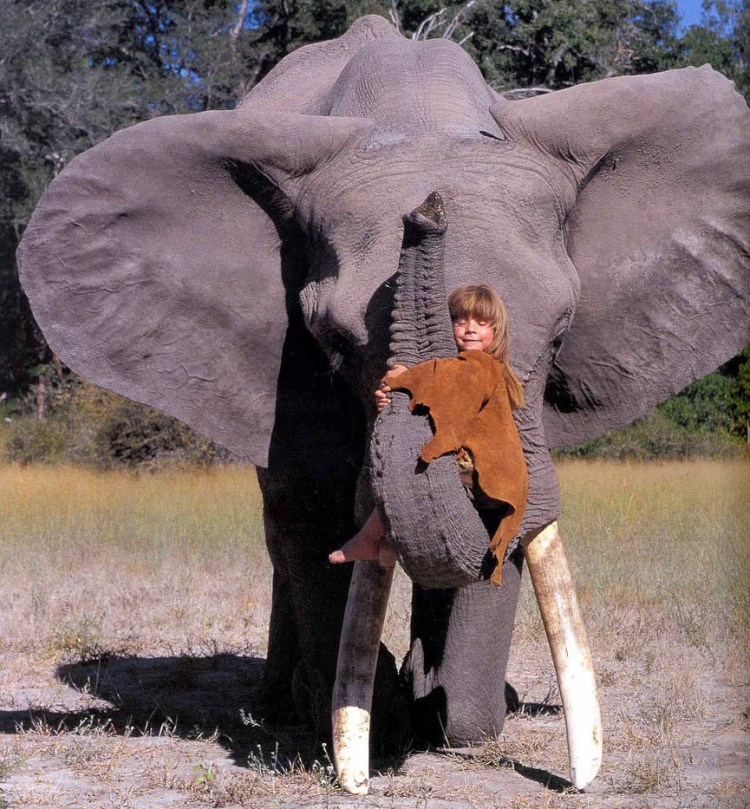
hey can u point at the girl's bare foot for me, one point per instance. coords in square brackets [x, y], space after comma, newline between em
[365, 544]
[358, 547]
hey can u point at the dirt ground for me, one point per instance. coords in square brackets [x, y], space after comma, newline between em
[130, 658]
[177, 731]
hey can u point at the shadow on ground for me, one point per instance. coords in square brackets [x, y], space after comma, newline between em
[211, 697]
[215, 697]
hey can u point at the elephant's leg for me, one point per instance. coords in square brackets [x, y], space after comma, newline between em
[459, 654]
[308, 493]
[307, 612]
[277, 704]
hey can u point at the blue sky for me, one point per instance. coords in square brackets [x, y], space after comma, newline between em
[690, 12]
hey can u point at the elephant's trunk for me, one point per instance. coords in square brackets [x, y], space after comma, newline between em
[420, 323]
[437, 533]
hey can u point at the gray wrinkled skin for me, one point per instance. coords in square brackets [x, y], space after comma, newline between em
[436, 532]
[219, 265]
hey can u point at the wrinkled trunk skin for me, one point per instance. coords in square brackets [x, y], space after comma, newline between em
[462, 625]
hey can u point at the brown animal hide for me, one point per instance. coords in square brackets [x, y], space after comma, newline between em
[469, 407]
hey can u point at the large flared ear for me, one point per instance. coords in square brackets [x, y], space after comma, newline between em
[659, 233]
[155, 263]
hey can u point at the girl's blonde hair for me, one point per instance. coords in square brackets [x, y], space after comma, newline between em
[483, 303]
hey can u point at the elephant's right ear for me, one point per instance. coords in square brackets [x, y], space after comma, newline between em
[154, 264]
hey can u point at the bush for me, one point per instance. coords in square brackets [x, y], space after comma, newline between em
[137, 436]
[656, 437]
[91, 426]
[33, 441]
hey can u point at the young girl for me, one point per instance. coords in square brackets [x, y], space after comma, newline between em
[479, 324]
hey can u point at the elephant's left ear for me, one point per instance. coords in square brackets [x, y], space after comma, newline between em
[659, 231]
[156, 263]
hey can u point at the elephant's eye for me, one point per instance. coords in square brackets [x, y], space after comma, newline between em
[491, 135]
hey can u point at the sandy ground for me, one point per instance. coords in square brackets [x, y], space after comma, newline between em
[133, 617]
[177, 731]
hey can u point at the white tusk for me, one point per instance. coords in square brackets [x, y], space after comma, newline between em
[566, 634]
[355, 671]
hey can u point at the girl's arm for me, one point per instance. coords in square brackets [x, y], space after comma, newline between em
[382, 394]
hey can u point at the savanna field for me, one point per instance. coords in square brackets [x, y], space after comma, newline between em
[133, 612]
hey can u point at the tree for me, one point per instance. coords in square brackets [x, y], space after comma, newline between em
[550, 43]
[71, 73]
[721, 40]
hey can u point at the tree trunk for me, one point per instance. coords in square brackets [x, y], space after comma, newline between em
[41, 398]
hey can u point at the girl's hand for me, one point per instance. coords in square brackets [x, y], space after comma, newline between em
[382, 394]
[382, 398]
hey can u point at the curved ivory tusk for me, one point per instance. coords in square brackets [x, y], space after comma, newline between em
[355, 671]
[566, 634]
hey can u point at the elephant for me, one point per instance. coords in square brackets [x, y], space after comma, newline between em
[238, 270]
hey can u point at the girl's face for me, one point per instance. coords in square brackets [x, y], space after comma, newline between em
[472, 334]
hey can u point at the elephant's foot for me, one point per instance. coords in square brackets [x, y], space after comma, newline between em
[436, 725]
[433, 725]
[302, 699]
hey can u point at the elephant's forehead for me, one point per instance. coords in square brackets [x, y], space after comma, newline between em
[397, 82]
[505, 213]
[481, 180]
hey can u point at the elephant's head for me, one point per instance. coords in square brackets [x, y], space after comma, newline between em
[167, 262]
[611, 217]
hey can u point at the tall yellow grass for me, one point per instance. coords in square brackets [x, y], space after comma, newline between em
[660, 557]
[642, 533]
[51, 509]
[183, 553]
[132, 561]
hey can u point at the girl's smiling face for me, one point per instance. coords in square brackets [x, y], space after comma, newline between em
[474, 334]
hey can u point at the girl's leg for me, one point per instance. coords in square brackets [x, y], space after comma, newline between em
[365, 544]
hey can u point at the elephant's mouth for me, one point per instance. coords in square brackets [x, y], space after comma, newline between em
[439, 536]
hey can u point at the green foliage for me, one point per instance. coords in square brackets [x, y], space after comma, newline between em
[705, 406]
[741, 396]
[655, 437]
[88, 425]
[137, 436]
[719, 403]
[722, 40]
[32, 441]
[281, 27]
[550, 43]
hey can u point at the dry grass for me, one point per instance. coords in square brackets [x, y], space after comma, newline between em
[135, 564]
[119, 591]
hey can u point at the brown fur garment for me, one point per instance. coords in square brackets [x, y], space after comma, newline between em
[468, 401]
